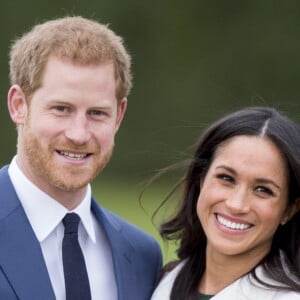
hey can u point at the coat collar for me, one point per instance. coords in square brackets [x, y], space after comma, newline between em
[122, 253]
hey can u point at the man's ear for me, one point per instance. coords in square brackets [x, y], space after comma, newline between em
[17, 105]
[291, 211]
[122, 106]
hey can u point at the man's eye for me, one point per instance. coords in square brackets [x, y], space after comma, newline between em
[96, 112]
[61, 108]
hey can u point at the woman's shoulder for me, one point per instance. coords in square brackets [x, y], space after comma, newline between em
[164, 287]
[281, 293]
[247, 288]
[286, 295]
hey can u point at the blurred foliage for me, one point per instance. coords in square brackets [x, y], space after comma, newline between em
[193, 61]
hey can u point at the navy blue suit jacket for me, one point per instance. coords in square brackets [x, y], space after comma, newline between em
[23, 272]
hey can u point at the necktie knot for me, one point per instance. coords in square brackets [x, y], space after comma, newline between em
[71, 222]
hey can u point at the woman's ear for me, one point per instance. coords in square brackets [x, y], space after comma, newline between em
[17, 105]
[291, 211]
[202, 178]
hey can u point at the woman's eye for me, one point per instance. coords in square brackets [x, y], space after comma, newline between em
[225, 177]
[264, 190]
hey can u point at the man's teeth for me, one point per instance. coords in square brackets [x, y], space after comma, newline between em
[73, 155]
[232, 225]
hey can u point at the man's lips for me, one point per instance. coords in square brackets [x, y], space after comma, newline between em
[73, 155]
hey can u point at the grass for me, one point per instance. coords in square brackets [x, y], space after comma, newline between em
[122, 197]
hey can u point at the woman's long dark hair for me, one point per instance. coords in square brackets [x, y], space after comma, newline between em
[186, 228]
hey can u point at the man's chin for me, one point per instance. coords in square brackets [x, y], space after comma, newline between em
[71, 185]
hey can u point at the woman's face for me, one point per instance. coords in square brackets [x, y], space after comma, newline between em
[243, 197]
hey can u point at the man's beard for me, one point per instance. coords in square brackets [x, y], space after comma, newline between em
[45, 167]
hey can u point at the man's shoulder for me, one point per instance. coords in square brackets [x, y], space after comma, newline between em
[9, 199]
[4, 172]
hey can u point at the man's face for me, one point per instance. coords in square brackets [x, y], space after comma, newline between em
[67, 134]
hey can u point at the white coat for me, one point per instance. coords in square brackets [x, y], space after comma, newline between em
[244, 288]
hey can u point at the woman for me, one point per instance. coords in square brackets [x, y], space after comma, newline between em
[238, 225]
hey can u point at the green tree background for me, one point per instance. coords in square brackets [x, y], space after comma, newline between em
[193, 61]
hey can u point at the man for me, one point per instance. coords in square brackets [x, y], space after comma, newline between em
[70, 78]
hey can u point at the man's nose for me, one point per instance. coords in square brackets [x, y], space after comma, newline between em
[78, 130]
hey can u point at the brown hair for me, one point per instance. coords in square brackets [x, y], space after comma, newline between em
[81, 40]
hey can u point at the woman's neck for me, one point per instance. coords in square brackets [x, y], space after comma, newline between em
[223, 270]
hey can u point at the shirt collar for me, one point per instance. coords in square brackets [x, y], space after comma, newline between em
[44, 212]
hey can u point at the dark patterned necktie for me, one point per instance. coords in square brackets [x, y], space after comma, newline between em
[76, 277]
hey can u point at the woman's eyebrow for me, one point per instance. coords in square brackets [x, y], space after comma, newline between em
[268, 181]
[258, 180]
[227, 168]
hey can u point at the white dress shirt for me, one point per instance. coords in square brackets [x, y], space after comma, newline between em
[45, 215]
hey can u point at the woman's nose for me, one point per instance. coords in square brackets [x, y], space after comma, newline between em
[238, 200]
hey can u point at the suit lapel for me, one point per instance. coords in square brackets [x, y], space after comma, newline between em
[122, 254]
[21, 258]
